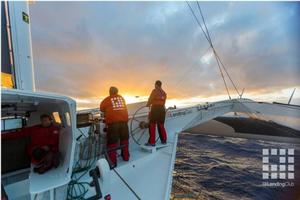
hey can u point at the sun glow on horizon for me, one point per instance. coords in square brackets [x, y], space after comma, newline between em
[134, 98]
[279, 96]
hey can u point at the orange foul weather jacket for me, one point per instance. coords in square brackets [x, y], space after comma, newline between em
[115, 109]
[40, 136]
[158, 97]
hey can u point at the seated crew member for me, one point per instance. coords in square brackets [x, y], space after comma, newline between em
[157, 114]
[43, 147]
[116, 118]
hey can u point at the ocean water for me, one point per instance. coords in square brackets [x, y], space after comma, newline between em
[209, 167]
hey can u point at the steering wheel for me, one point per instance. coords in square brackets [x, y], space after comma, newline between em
[139, 125]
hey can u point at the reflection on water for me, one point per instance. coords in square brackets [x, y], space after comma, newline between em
[225, 168]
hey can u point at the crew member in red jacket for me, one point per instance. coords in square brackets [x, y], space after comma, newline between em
[43, 147]
[116, 118]
[157, 114]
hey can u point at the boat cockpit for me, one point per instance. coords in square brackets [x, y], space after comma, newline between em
[22, 109]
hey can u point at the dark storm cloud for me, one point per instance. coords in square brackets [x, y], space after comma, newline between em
[81, 48]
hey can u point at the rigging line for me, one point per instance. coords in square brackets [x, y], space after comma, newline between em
[209, 41]
[199, 8]
[221, 71]
[234, 85]
[127, 185]
[199, 24]
[207, 32]
[227, 90]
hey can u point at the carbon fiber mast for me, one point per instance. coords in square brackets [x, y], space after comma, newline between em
[16, 55]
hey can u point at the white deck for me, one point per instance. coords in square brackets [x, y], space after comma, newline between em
[149, 171]
[144, 168]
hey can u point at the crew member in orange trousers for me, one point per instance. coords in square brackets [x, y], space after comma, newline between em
[116, 118]
[157, 114]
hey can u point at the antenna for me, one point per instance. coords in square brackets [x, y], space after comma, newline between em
[241, 95]
[292, 96]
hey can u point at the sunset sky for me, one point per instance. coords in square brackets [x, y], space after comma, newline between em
[80, 49]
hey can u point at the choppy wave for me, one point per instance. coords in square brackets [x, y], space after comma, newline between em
[210, 167]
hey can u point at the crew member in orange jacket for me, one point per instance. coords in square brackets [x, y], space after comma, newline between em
[157, 114]
[43, 148]
[116, 118]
